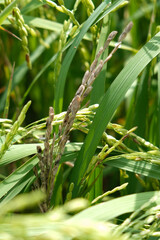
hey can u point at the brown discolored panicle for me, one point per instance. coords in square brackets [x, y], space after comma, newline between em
[125, 32]
[49, 167]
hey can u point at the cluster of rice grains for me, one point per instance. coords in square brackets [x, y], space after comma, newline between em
[18, 23]
[47, 166]
[11, 134]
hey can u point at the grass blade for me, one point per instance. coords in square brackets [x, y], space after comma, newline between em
[43, 23]
[141, 167]
[6, 109]
[32, 5]
[116, 207]
[142, 105]
[8, 183]
[17, 188]
[19, 151]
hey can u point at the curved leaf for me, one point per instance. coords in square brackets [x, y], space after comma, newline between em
[19, 151]
[9, 182]
[141, 167]
[116, 207]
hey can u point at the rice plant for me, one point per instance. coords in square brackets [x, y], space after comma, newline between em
[79, 126]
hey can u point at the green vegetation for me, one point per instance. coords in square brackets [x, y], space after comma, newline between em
[91, 169]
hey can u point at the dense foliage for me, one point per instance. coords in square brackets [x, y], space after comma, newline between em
[90, 170]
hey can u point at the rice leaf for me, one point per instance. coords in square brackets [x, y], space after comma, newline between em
[116, 207]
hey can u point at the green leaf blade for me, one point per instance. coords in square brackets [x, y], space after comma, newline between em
[116, 207]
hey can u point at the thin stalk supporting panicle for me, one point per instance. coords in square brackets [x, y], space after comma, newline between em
[6, 110]
[48, 169]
